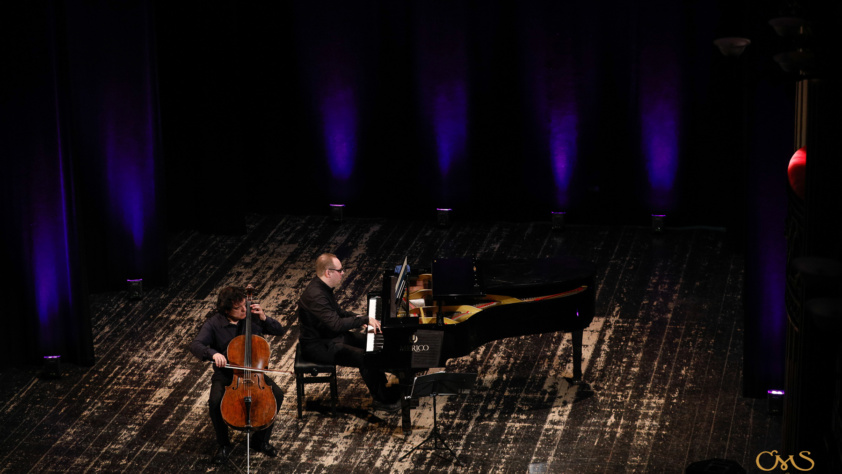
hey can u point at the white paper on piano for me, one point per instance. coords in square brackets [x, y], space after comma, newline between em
[417, 302]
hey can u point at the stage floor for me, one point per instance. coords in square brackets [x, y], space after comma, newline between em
[662, 362]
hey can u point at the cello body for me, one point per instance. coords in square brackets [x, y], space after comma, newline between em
[248, 403]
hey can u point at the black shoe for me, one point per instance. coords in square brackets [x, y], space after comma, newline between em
[267, 449]
[222, 454]
[393, 407]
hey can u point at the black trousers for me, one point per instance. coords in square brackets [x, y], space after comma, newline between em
[348, 350]
[217, 391]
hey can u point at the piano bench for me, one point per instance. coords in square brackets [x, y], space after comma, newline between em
[307, 372]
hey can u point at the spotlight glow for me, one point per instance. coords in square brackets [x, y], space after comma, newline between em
[50, 277]
[551, 70]
[442, 84]
[50, 255]
[563, 134]
[129, 168]
[49, 239]
[659, 113]
[449, 113]
[339, 111]
[129, 141]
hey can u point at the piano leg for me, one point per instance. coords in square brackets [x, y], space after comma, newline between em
[405, 379]
[406, 418]
[577, 356]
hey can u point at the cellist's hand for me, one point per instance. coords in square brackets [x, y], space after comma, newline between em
[219, 360]
[256, 309]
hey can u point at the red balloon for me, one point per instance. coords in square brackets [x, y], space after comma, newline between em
[797, 172]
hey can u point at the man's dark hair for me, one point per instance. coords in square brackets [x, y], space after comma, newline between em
[228, 296]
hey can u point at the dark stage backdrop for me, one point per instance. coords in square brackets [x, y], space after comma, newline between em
[123, 119]
[608, 110]
[82, 178]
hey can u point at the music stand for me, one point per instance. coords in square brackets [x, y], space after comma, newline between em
[441, 383]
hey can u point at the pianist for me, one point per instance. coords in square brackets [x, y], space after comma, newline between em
[326, 335]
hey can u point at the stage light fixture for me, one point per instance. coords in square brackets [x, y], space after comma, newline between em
[775, 400]
[52, 367]
[796, 61]
[135, 287]
[337, 212]
[732, 47]
[558, 220]
[658, 223]
[789, 26]
[443, 217]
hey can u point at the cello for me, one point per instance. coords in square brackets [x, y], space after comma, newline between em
[248, 403]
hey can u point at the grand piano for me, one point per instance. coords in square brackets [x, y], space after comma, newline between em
[429, 317]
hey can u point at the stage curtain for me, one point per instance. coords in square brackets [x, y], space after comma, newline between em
[82, 199]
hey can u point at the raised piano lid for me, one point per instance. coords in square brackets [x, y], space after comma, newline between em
[467, 277]
[519, 278]
[455, 277]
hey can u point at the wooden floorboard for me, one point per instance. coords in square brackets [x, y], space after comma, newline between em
[662, 362]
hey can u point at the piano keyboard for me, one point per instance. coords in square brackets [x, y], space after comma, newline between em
[373, 342]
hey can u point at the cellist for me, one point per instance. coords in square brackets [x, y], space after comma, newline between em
[222, 325]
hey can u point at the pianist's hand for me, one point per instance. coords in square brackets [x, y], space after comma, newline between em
[373, 322]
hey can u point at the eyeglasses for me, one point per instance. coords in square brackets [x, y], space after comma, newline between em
[341, 270]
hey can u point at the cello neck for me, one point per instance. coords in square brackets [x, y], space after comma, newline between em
[247, 332]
